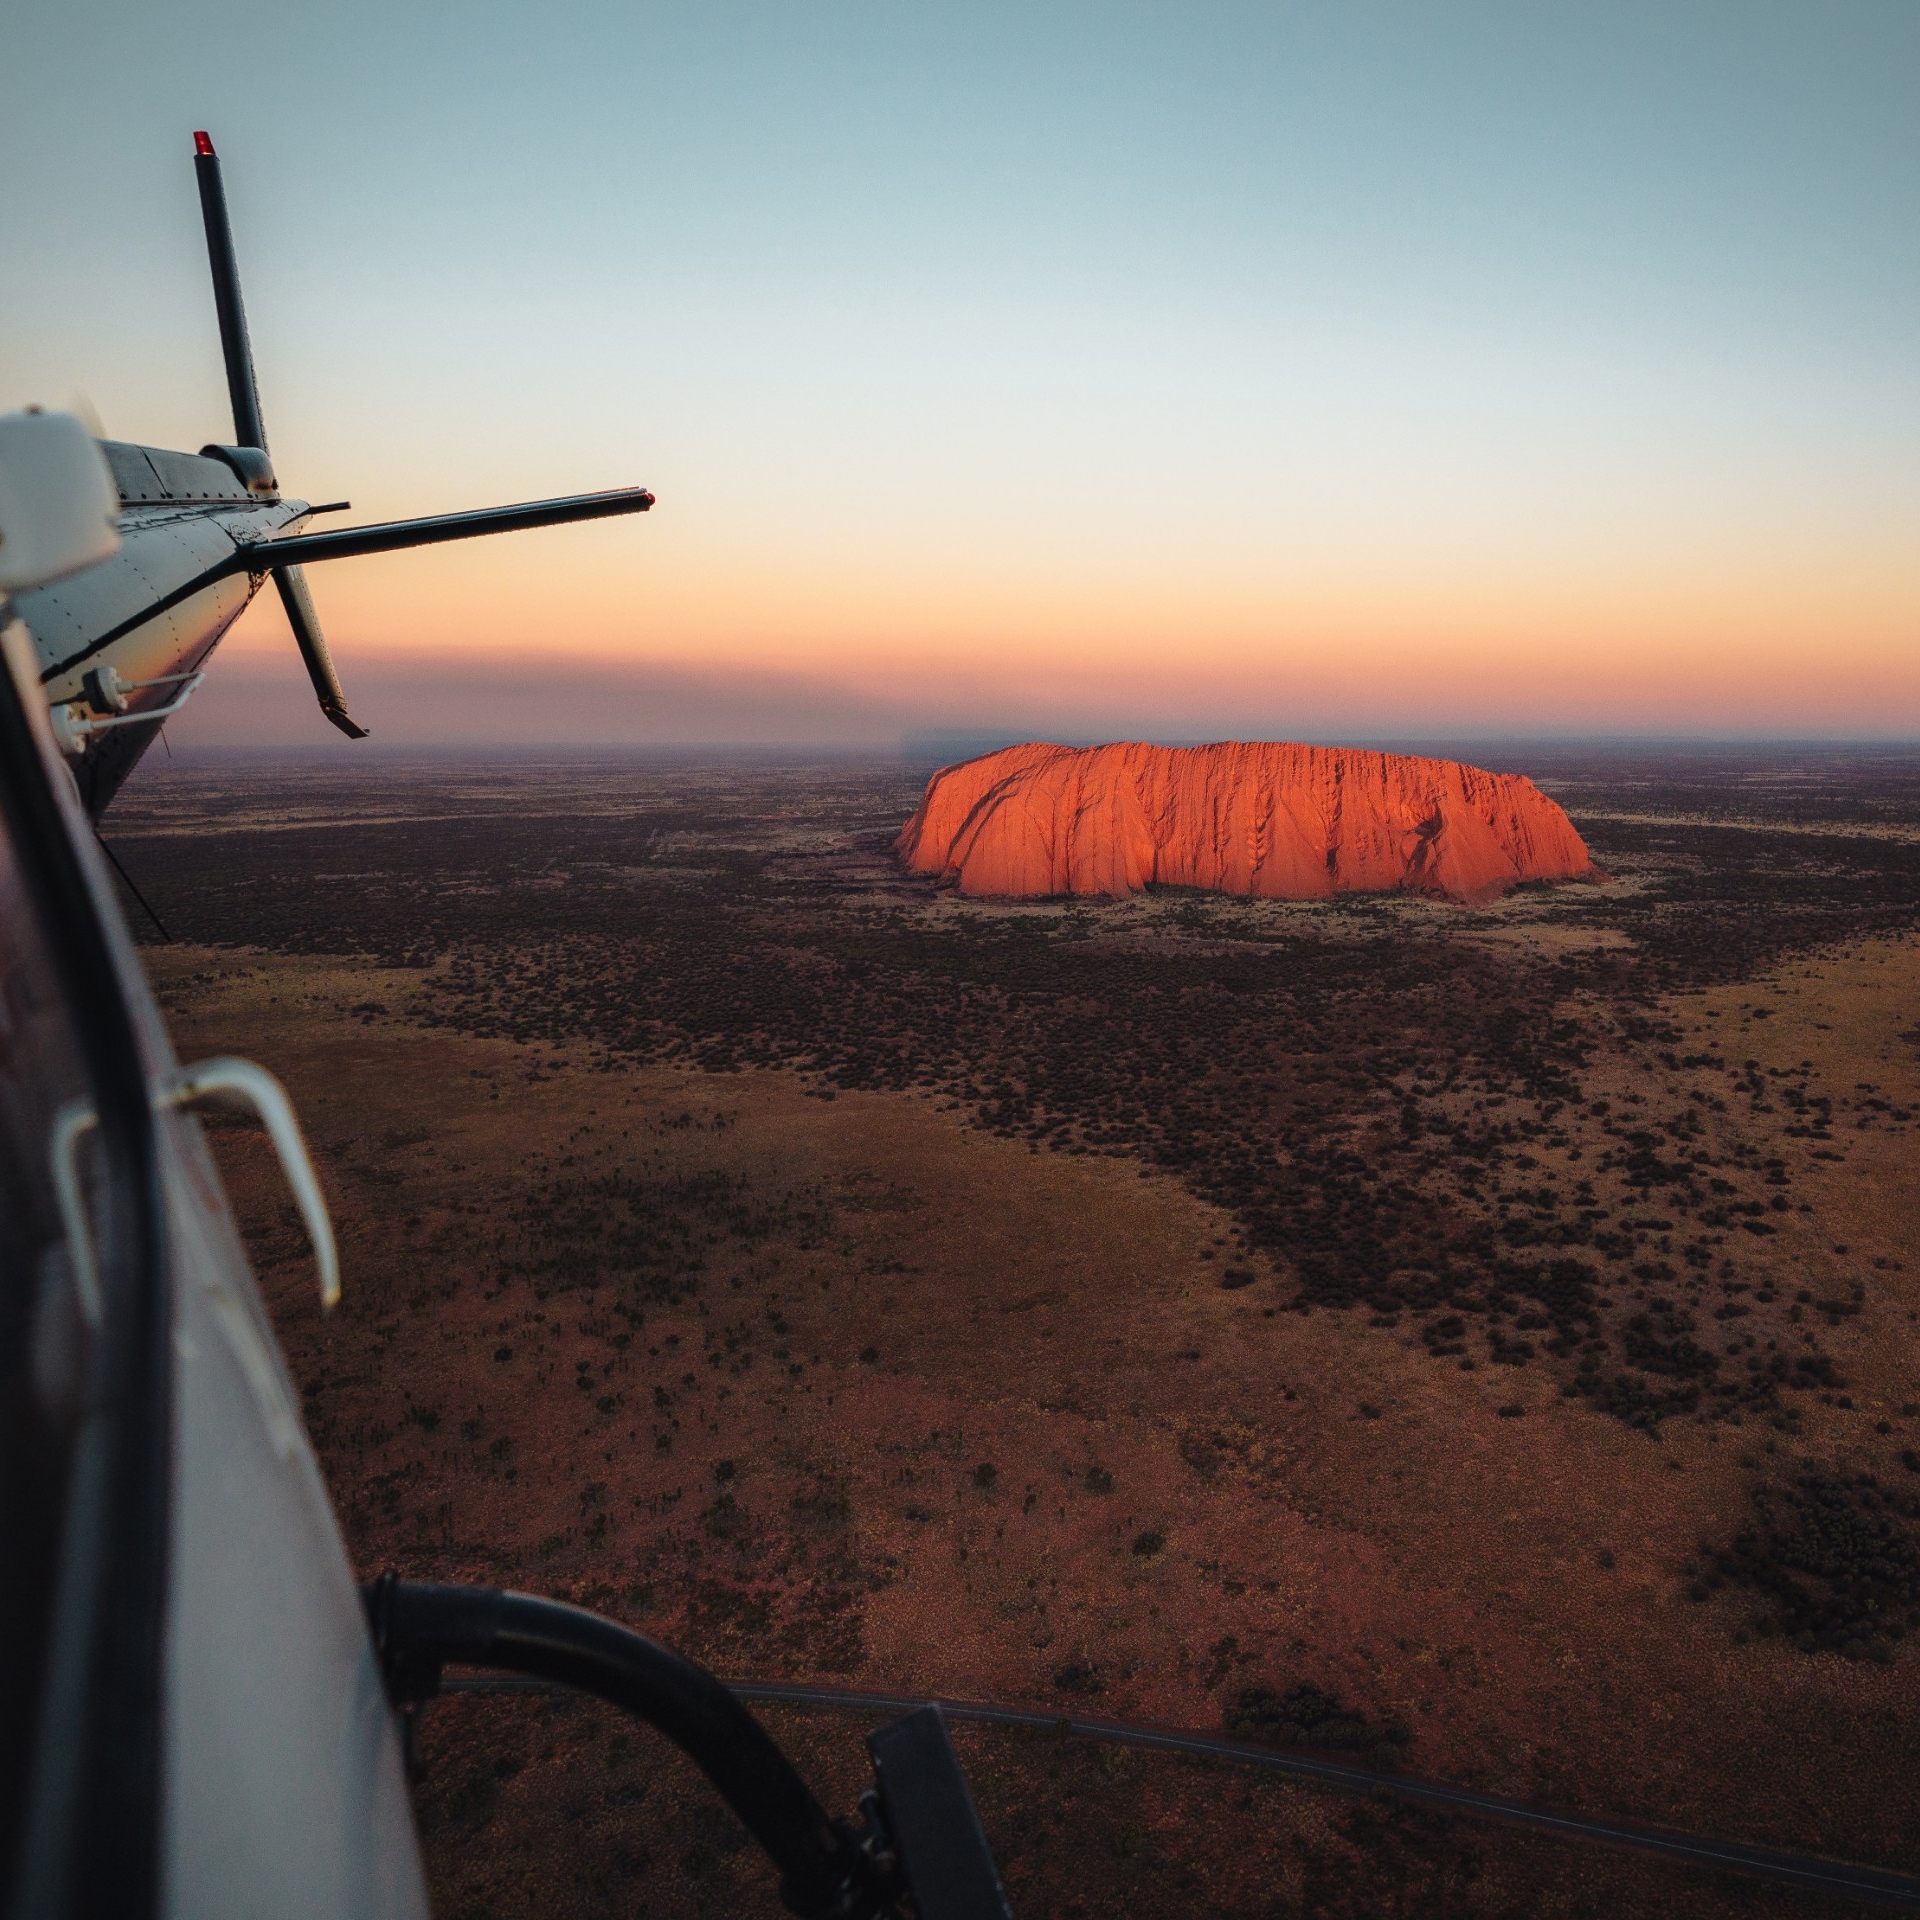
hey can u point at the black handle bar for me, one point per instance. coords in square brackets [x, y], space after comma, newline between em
[418, 1625]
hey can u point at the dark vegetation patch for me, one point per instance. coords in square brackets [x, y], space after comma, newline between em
[649, 1237]
[1832, 1561]
[1304, 1716]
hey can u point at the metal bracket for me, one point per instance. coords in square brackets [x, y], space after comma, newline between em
[930, 1822]
[73, 1120]
[411, 1677]
[72, 723]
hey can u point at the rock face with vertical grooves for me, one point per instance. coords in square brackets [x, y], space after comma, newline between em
[1258, 818]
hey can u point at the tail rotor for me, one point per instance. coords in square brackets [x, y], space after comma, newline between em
[250, 432]
[281, 554]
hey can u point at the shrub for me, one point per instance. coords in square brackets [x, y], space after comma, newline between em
[1306, 1716]
[1836, 1570]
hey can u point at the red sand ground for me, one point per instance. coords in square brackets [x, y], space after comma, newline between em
[1259, 818]
[782, 1471]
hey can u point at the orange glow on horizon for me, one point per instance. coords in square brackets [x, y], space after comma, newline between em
[1812, 637]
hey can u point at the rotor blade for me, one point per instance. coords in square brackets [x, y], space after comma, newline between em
[348, 543]
[267, 556]
[313, 649]
[248, 429]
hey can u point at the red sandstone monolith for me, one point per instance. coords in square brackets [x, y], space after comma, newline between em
[1260, 818]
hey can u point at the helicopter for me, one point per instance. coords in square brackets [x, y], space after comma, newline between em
[123, 645]
[201, 1712]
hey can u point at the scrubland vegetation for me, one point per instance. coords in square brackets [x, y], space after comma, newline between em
[1482, 1341]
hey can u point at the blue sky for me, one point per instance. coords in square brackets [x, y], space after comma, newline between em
[1025, 352]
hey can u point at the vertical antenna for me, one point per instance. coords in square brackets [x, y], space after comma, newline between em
[248, 428]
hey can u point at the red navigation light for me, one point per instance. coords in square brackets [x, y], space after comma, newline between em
[203, 143]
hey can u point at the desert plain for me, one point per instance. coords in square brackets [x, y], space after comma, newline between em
[1480, 1339]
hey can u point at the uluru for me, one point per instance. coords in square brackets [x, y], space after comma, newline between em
[1262, 819]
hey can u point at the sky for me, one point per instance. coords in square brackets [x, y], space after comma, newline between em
[1316, 371]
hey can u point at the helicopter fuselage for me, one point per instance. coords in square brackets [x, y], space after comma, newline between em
[182, 514]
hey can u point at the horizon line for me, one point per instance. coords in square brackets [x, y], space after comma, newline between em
[920, 744]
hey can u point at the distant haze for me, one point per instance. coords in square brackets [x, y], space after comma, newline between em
[261, 699]
[1280, 370]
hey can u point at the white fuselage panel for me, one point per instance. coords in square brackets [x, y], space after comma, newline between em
[162, 548]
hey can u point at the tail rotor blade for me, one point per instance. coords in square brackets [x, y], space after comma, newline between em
[248, 429]
[313, 649]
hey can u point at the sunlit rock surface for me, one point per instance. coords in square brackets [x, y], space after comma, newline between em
[1260, 818]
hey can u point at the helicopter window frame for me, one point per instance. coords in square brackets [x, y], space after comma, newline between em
[81, 1828]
